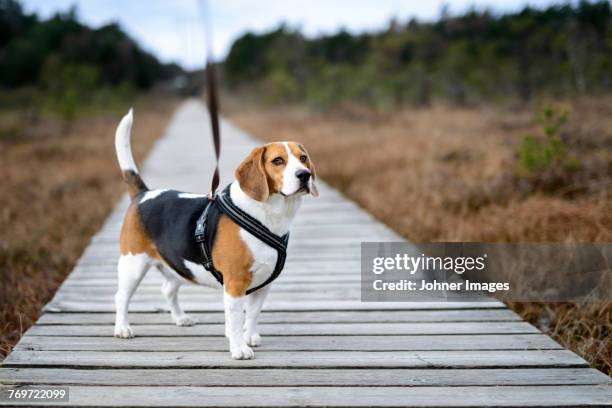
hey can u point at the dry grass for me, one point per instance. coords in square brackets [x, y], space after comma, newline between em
[450, 175]
[56, 189]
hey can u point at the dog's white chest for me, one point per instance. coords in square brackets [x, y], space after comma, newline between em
[276, 215]
[264, 258]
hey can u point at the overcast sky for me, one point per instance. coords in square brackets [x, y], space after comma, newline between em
[173, 29]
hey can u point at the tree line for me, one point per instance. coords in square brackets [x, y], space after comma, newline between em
[41, 52]
[560, 50]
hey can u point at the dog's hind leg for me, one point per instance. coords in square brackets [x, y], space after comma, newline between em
[130, 271]
[170, 290]
[254, 303]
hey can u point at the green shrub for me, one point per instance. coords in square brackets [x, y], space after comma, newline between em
[281, 86]
[548, 151]
[68, 86]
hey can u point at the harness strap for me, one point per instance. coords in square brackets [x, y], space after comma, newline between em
[224, 203]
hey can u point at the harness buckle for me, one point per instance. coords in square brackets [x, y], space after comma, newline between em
[200, 238]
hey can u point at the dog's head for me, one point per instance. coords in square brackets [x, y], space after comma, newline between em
[280, 167]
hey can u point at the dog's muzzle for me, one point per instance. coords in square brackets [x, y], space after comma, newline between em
[304, 177]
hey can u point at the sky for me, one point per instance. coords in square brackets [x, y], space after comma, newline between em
[173, 30]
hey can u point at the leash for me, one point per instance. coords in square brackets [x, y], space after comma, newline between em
[213, 110]
[212, 99]
[206, 224]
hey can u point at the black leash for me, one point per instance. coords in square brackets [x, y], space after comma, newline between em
[206, 225]
[212, 99]
[213, 110]
[205, 231]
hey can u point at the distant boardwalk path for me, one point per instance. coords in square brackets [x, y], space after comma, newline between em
[321, 345]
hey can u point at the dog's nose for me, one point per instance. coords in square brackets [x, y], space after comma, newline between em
[303, 175]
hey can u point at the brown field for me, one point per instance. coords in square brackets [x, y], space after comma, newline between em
[450, 174]
[56, 189]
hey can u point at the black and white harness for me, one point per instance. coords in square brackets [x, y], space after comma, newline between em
[206, 228]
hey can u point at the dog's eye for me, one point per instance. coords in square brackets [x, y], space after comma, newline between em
[303, 158]
[278, 161]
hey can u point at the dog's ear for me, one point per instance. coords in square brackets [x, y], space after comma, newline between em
[311, 184]
[252, 177]
[313, 187]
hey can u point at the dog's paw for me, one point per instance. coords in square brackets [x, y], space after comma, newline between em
[185, 320]
[124, 332]
[253, 339]
[243, 352]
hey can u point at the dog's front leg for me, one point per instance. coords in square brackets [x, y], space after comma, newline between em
[234, 322]
[254, 303]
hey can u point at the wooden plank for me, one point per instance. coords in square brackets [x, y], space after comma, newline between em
[300, 359]
[209, 296]
[304, 377]
[213, 301]
[304, 256]
[293, 271]
[154, 283]
[367, 316]
[108, 277]
[154, 289]
[303, 343]
[298, 329]
[299, 245]
[106, 266]
[540, 396]
[106, 306]
[153, 292]
[369, 231]
[341, 219]
[295, 251]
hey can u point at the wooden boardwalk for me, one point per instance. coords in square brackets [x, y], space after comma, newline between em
[321, 345]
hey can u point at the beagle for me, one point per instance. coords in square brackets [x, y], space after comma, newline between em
[158, 229]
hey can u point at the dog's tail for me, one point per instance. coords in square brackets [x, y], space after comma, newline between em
[124, 155]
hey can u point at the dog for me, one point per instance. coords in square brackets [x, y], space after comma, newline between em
[158, 231]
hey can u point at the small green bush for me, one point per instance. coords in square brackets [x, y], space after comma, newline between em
[548, 151]
[281, 86]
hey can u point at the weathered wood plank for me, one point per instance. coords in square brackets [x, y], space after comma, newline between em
[102, 249]
[106, 306]
[305, 377]
[302, 254]
[541, 396]
[204, 299]
[153, 288]
[303, 343]
[106, 268]
[366, 316]
[353, 219]
[301, 359]
[363, 231]
[298, 329]
[105, 303]
[207, 296]
[155, 282]
[153, 292]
